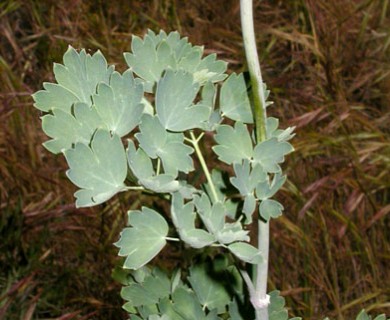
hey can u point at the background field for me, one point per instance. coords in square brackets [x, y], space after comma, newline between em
[327, 63]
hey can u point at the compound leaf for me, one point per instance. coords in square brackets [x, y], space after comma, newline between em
[270, 153]
[66, 129]
[234, 101]
[234, 144]
[99, 170]
[246, 252]
[119, 103]
[175, 94]
[144, 239]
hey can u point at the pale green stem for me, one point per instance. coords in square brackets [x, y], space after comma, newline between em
[195, 143]
[259, 109]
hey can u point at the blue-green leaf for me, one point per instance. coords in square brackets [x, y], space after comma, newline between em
[213, 216]
[266, 189]
[142, 167]
[81, 73]
[211, 293]
[144, 240]
[99, 170]
[156, 53]
[153, 288]
[168, 146]
[119, 104]
[187, 305]
[183, 217]
[246, 178]
[54, 96]
[234, 144]
[246, 252]
[270, 209]
[66, 129]
[234, 101]
[175, 95]
[270, 153]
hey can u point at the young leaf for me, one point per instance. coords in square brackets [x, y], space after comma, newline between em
[82, 72]
[144, 240]
[246, 252]
[234, 101]
[270, 153]
[175, 94]
[211, 293]
[168, 146]
[99, 170]
[234, 144]
[119, 104]
[270, 209]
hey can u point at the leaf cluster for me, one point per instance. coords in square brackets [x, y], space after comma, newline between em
[141, 130]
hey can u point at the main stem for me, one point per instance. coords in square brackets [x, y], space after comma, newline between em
[259, 108]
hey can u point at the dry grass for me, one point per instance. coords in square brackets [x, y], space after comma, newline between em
[328, 65]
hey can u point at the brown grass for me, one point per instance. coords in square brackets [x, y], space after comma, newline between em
[327, 64]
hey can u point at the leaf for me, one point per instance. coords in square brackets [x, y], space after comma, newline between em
[175, 94]
[246, 252]
[155, 287]
[276, 309]
[273, 131]
[213, 216]
[156, 53]
[141, 166]
[66, 129]
[119, 103]
[270, 153]
[234, 144]
[363, 315]
[168, 146]
[232, 232]
[144, 240]
[183, 217]
[54, 96]
[100, 171]
[211, 293]
[270, 209]
[187, 305]
[82, 72]
[234, 101]
[266, 189]
[246, 177]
